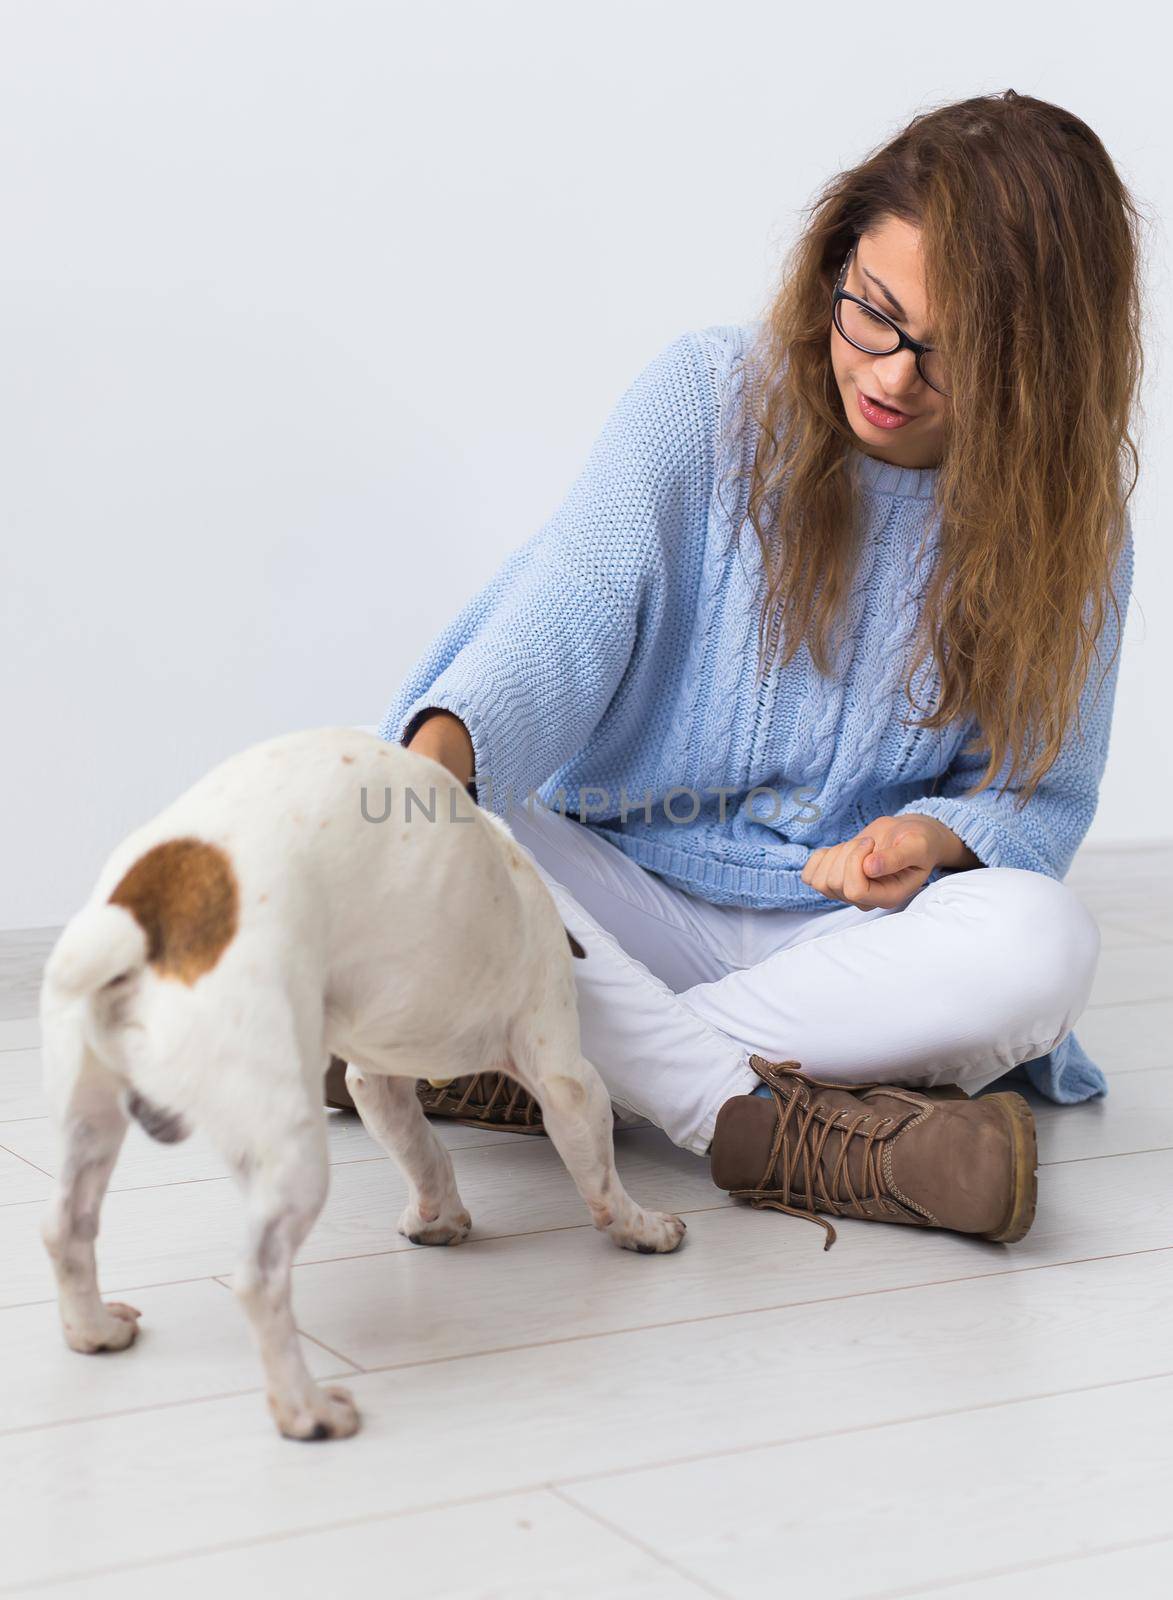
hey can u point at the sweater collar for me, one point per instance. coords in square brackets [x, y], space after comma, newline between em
[909, 483]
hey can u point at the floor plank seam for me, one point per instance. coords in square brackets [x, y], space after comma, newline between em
[1108, 1155]
[757, 1311]
[1039, 1565]
[358, 1370]
[126, 1288]
[863, 1427]
[18, 1157]
[659, 1556]
[326, 1261]
[348, 1361]
[127, 1411]
[285, 1536]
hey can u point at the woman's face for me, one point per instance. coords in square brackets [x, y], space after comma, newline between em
[885, 270]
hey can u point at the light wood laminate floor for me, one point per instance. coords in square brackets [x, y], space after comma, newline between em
[543, 1415]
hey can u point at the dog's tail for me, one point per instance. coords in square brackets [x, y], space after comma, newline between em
[99, 945]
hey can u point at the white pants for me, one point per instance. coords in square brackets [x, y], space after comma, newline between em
[979, 971]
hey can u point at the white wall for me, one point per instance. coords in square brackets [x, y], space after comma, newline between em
[311, 311]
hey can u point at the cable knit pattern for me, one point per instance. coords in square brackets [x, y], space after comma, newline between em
[608, 668]
[710, 672]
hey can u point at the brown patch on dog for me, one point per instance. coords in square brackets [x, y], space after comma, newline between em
[575, 948]
[183, 896]
[348, 761]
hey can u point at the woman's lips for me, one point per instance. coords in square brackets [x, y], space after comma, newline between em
[879, 414]
[886, 405]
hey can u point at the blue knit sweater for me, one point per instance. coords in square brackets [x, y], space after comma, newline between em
[611, 661]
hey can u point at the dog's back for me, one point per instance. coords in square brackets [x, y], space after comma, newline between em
[357, 877]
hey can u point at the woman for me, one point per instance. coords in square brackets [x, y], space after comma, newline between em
[813, 927]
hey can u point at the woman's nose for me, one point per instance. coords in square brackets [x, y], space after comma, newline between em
[898, 372]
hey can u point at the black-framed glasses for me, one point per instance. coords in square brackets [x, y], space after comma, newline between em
[868, 329]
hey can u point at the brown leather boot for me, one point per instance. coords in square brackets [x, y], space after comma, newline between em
[485, 1100]
[880, 1152]
[336, 1092]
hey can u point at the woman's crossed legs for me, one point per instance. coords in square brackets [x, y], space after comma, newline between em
[979, 971]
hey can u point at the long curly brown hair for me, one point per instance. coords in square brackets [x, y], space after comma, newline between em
[1030, 246]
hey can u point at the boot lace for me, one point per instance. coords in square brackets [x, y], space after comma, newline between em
[486, 1093]
[795, 1159]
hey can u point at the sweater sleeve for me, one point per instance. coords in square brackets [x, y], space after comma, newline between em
[531, 662]
[1043, 835]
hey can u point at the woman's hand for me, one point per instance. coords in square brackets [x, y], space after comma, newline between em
[887, 863]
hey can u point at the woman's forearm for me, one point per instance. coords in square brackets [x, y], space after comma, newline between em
[445, 739]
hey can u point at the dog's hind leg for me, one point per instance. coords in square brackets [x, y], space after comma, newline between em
[86, 1110]
[391, 1113]
[576, 1113]
[260, 1105]
[284, 1172]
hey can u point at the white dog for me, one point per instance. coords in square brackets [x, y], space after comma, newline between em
[295, 903]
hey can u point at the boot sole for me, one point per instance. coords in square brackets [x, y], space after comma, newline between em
[493, 1127]
[1020, 1124]
[467, 1122]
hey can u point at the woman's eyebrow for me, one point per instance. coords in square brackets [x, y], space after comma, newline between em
[892, 300]
[880, 284]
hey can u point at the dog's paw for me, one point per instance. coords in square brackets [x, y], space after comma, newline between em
[331, 1414]
[649, 1232]
[447, 1227]
[116, 1330]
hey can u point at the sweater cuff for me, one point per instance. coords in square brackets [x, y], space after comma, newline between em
[438, 698]
[994, 844]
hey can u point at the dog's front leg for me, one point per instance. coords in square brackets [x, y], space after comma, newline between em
[391, 1112]
[576, 1112]
[285, 1182]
